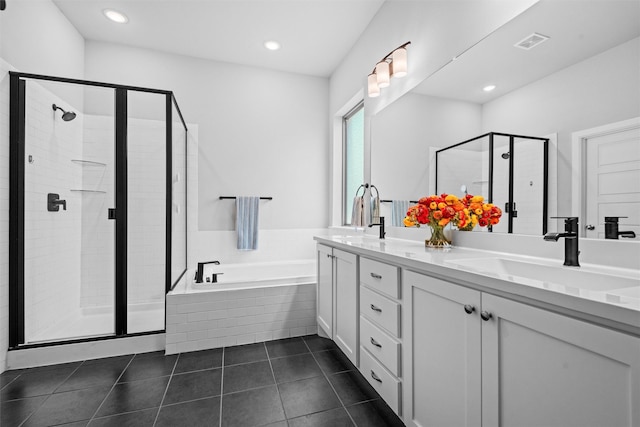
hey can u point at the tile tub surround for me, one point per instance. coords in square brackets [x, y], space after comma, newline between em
[222, 318]
[296, 382]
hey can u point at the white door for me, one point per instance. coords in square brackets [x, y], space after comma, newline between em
[442, 348]
[544, 369]
[606, 179]
[325, 289]
[345, 326]
[613, 181]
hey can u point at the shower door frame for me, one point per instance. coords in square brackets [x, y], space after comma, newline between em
[17, 104]
[510, 204]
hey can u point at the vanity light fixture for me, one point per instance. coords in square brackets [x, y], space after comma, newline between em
[394, 64]
[116, 16]
[489, 88]
[272, 45]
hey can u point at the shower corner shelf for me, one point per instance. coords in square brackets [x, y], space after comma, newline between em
[89, 191]
[88, 162]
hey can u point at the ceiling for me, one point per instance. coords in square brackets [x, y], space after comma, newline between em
[577, 29]
[315, 34]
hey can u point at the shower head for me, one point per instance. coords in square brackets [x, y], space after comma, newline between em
[505, 155]
[67, 116]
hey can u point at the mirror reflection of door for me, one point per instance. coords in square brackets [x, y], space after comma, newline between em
[610, 176]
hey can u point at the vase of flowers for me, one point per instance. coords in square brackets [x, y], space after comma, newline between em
[437, 212]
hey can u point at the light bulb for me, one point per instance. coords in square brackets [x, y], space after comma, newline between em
[399, 62]
[382, 71]
[373, 88]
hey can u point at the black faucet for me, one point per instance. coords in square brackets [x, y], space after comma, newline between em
[200, 270]
[570, 235]
[611, 228]
[381, 224]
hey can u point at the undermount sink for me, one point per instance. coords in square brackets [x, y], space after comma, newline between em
[552, 277]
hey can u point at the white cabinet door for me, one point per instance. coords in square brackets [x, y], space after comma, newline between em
[325, 289]
[345, 326]
[544, 369]
[442, 351]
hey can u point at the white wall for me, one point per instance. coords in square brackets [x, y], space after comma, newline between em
[34, 37]
[588, 94]
[261, 132]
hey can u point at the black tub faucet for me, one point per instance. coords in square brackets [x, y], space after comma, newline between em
[611, 228]
[200, 270]
[570, 235]
[381, 224]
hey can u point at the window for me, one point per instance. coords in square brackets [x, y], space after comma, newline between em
[353, 158]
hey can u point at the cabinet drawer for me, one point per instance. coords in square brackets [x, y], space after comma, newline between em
[381, 310]
[381, 345]
[380, 276]
[385, 384]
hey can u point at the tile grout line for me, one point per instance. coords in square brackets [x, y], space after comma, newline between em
[167, 387]
[221, 386]
[50, 394]
[112, 387]
[330, 384]
[273, 374]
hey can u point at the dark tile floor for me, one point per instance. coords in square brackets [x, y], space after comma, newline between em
[293, 382]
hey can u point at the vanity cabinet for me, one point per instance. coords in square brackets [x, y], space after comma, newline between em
[474, 359]
[337, 297]
[380, 328]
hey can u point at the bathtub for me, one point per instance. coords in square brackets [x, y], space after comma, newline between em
[247, 276]
[249, 303]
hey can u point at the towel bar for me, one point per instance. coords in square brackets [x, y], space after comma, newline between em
[234, 197]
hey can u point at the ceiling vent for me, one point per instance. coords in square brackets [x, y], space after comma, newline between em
[531, 41]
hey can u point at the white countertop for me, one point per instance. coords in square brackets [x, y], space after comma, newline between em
[610, 296]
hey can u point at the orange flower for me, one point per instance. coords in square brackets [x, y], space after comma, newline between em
[443, 222]
[437, 215]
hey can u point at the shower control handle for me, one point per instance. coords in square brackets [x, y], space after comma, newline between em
[54, 203]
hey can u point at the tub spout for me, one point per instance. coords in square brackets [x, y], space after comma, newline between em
[200, 271]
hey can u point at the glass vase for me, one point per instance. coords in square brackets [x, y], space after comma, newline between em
[438, 238]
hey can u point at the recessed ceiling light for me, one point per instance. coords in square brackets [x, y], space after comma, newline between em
[489, 88]
[116, 16]
[272, 45]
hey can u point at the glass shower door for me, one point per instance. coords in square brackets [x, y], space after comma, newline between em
[68, 191]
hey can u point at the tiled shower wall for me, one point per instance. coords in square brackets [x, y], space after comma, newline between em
[98, 231]
[52, 239]
[146, 211]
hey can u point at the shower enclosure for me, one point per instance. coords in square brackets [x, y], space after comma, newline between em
[97, 209]
[510, 171]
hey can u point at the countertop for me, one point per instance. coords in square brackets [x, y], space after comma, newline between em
[616, 306]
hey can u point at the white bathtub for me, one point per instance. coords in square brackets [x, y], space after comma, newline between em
[249, 303]
[248, 276]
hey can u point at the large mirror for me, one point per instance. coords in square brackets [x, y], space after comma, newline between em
[583, 74]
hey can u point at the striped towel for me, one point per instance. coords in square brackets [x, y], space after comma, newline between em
[357, 213]
[375, 210]
[398, 212]
[247, 222]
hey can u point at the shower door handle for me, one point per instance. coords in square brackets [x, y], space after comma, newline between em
[112, 213]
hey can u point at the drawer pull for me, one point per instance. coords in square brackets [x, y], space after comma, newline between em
[376, 276]
[468, 308]
[486, 315]
[374, 308]
[375, 377]
[376, 343]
